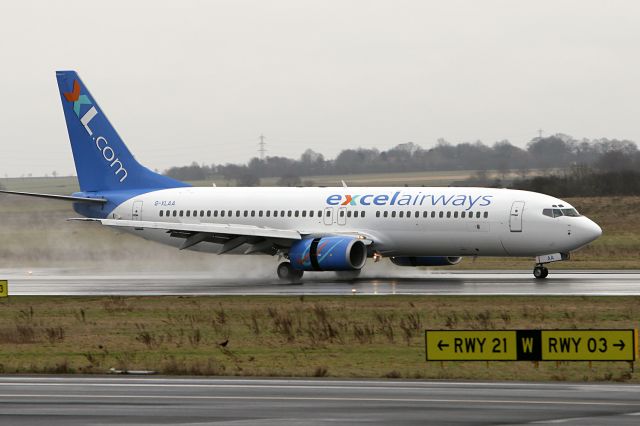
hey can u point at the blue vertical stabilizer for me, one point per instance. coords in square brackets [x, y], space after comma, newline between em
[103, 161]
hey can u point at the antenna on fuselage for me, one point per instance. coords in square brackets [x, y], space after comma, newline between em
[344, 185]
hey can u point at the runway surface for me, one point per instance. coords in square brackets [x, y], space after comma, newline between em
[156, 400]
[57, 282]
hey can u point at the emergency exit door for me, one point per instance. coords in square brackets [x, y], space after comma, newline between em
[515, 219]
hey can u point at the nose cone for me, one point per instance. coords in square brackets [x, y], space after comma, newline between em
[589, 231]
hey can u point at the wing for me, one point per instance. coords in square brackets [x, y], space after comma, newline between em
[259, 239]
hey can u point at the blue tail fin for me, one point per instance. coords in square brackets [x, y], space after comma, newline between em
[103, 162]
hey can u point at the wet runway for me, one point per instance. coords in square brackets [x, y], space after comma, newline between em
[57, 282]
[203, 401]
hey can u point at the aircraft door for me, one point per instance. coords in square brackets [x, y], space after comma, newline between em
[328, 216]
[342, 216]
[136, 213]
[515, 218]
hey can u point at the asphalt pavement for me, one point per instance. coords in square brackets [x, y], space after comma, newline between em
[128, 400]
[561, 283]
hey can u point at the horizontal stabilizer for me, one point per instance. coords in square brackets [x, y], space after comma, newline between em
[58, 197]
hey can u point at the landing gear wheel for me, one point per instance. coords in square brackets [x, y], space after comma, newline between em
[540, 272]
[286, 272]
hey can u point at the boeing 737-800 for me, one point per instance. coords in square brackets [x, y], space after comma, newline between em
[314, 229]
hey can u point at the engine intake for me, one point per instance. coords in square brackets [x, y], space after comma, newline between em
[426, 260]
[332, 253]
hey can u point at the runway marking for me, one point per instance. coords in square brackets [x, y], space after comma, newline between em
[569, 419]
[311, 398]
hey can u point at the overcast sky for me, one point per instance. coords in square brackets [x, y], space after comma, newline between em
[201, 80]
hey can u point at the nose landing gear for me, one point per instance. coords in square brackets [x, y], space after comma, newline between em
[540, 271]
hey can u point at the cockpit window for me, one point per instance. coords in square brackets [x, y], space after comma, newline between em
[560, 212]
[570, 212]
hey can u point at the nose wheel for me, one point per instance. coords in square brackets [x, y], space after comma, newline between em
[540, 272]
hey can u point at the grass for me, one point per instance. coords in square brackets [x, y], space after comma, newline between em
[358, 336]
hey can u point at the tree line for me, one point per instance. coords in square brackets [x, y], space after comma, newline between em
[546, 153]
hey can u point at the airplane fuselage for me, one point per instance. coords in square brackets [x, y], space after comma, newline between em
[450, 221]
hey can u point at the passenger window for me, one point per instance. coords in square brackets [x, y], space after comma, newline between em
[477, 215]
[289, 213]
[195, 213]
[386, 214]
[417, 214]
[319, 213]
[282, 213]
[304, 213]
[175, 212]
[268, 212]
[462, 215]
[349, 213]
[355, 213]
[448, 214]
[401, 213]
[341, 213]
[201, 213]
[362, 214]
[296, 213]
[425, 214]
[408, 215]
[378, 213]
[221, 213]
[260, 213]
[188, 213]
[181, 213]
[161, 213]
[237, 213]
[275, 213]
[246, 213]
[393, 213]
[310, 213]
[215, 213]
[441, 215]
[486, 215]
[455, 214]
[433, 214]
[208, 213]
[328, 213]
[253, 213]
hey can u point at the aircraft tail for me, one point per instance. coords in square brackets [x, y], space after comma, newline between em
[103, 162]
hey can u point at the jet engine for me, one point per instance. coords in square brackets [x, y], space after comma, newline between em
[426, 260]
[332, 253]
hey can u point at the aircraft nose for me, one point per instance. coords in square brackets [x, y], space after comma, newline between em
[591, 230]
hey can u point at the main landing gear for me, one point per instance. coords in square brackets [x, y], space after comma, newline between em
[286, 272]
[540, 271]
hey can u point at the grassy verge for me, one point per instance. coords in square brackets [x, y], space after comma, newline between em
[355, 336]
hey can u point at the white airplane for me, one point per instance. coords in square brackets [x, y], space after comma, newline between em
[314, 229]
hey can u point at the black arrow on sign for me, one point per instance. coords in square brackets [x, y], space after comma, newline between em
[445, 345]
[619, 345]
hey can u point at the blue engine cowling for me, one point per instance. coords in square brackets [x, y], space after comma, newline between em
[426, 260]
[331, 253]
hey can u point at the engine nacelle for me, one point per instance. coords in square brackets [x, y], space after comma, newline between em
[426, 260]
[333, 253]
